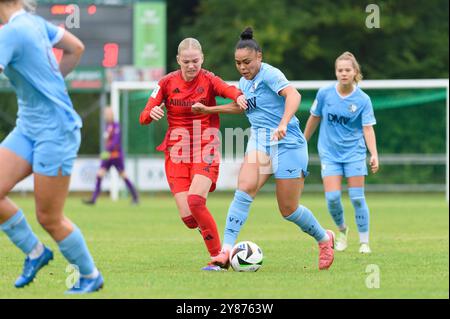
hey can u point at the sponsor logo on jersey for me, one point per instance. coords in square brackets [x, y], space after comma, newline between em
[186, 103]
[251, 103]
[335, 119]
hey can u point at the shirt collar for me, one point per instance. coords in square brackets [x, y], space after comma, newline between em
[16, 14]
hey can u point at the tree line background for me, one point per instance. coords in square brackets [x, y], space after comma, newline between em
[303, 38]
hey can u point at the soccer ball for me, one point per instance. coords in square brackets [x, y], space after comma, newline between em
[246, 256]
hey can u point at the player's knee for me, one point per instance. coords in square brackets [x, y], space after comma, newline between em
[287, 209]
[334, 196]
[333, 199]
[357, 196]
[47, 221]
[196, 203]
[3, 192]
[249, 188]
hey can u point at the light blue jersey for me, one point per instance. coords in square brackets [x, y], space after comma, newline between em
[341, 137]
[27, 59]
[266, 107]
[47, 132]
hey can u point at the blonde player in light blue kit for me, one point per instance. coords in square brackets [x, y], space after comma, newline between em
[346, 120]
[44, 142]
[276, 138]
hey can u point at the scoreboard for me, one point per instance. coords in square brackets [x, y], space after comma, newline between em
[123, 39]
[106, 31]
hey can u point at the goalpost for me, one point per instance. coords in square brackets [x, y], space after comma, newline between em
[118, 87]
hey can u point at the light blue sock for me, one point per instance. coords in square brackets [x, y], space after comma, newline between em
[305, 219]
[237, 215]
[74, 248]
[335, 208]
[20, 233]
[361, 210]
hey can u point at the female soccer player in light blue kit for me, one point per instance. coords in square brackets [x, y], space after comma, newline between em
[346, 119]
[44, 142]
[276, 138]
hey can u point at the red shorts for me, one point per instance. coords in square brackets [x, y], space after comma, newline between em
[180, 174]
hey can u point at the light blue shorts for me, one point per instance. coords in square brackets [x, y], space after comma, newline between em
[358, 168]
[46, 156]
[286, 162]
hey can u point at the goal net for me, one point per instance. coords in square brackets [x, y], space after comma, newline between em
[412, 136]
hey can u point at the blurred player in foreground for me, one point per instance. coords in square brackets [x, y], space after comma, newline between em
[44, 142]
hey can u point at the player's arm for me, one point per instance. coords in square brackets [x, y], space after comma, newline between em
[153, 110]
[228, 91]
[114, 142]
[230, 108]
[73, 49]
[311, 126]
[371, 142]
[292, 103]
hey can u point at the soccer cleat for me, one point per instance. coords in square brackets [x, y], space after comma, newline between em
[211, 267]
[86, 285]
[341, 240]
[364, 249]
[88, 202]
[326, 252]
[222, 259]
[32, 266]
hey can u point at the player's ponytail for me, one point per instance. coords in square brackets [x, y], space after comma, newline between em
[247, 41]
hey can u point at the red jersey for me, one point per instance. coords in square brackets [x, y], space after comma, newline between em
[179, 96]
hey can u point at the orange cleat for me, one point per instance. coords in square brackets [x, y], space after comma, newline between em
[326, 252]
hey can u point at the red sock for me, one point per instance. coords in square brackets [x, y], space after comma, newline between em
[190, 221]
[206, 222]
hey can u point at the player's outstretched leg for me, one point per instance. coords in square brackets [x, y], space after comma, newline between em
[305, 219]
[206, 223]
[20, 233]
[237, 215]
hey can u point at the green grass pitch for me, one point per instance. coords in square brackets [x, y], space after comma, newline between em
[145, 251]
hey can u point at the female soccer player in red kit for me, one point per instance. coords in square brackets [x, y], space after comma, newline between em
[192, 161]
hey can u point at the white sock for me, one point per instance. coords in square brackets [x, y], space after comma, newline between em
[364, 238]
[37, 251]
[325, 238]
[93, 275]
[343, 228]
